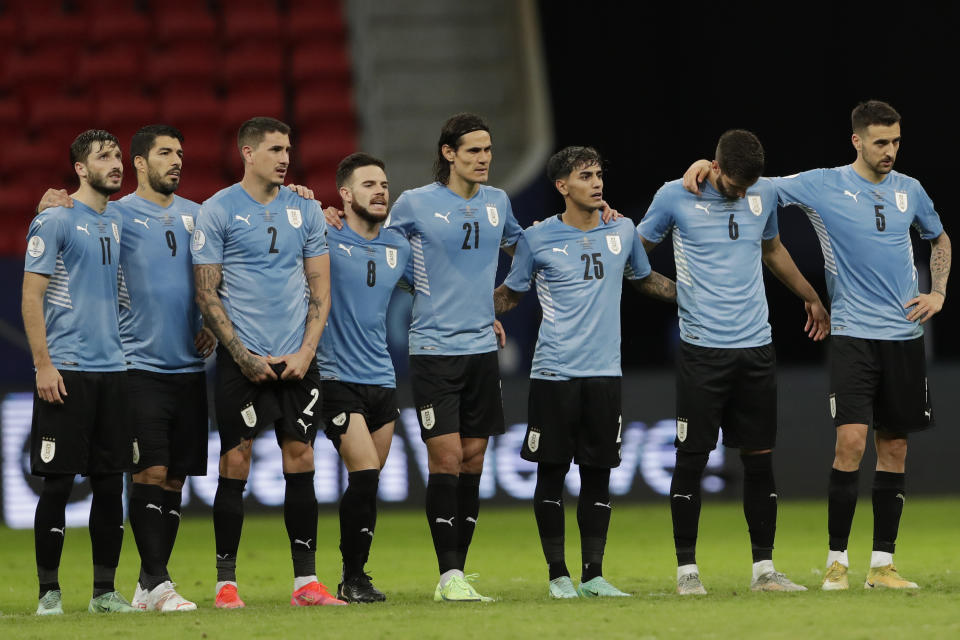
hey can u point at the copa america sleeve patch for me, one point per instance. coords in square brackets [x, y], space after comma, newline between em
[199, 240]
[36, 247]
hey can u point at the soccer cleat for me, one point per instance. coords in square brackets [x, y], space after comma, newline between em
[690, 585]
[110, 602]
[888, 578]
[164, 597]
[359, 589]
[313, 594]
[140, 596]
[598, 587]
[458, 589]
[228, 598]
[51, 604]
[562, 588]
[775, 581]
[835, 578]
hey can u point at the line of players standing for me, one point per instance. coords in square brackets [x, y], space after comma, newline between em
[263, 258]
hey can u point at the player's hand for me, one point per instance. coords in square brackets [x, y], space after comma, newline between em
[302, 191]
[818, 321]
[500, 333]
[295, 364]
[334, 217]
[925, 306]
[695, 175]
[55, 198]
[256, 368]
[608, 213]
[50, 385]
[205, 342]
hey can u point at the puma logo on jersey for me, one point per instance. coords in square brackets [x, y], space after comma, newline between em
[83, 228]
[445, 217]
[55, 530]
[306, 544]
[703, 207]
[303, 424]
[347, 249]
[143, 222]
[448, 521]
[556, 502]
[688, 497]
[852, 195]
[247, 219]
[563, 251]
[150, 505]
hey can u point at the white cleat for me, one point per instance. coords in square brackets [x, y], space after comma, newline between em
[139, 601]
[165, 598]
[690, 585]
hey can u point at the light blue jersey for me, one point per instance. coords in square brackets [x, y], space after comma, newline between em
[363, 275]
[261, 248]
[456, 245]
[158, 315]
[79, 249]
[864, 232]
[717, 251]
[579, 278]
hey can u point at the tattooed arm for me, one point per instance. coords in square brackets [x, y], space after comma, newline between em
[657, 286]
[926, 305]
[317, 272]
[207, 279]
[505, 299]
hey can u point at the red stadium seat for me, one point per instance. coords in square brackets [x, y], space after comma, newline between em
[322, 22]
[60, 117]
[11, 114]
[27, 162]
[42, 27]
[322, 151]
[108, 69]
[240, 107]
[202, 147]
[320, 63]
[118, 27]
[184, 110]
[253, 70]
[186, 69]
[324, 185]
[320, 108]
[199, 184]
[124, 114]
[245, 26]
[179, 26]
[42, 70]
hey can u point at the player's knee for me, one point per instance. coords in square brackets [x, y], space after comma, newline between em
[692, 462]
[110, 484]
[151, 475]
[297, 456]
[58, 487]
[235, 463]
[892, 449]
[850, 448]
[174, 483]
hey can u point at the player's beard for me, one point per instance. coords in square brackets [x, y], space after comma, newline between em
[364, 214]
[159, 184]
[98, 182]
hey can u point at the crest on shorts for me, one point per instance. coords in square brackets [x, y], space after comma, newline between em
[533, 439]
[198, 240]
[492, 215]
[249, 415]
[901, 200]
[116, 232]
[756, 205]
[833, 405]
[427, 417]
[48, 449]
[613, 243]
[136, 451]
[187, 223]
[391, 257]
[681, 429]
[294, 218]
[36, 247]
[340, 419]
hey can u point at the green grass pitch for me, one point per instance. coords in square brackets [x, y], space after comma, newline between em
[506, 553]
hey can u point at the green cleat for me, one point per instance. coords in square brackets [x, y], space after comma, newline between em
[111, 602]
[598, 587]
[459, 589]
[562, 587]
[51, 604]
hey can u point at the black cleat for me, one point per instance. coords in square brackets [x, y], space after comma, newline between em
[359, 589]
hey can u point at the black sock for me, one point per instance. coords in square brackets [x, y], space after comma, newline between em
[593, 516]
[888, 499]
[171, 525]
[300, 516]
[49, 526]
[442, 517]
[841, 504]
[548, 510]
[468, 510]
[760, 503]
[685, 504]
[146, 520]
[106, 529]
[358, 517]
[227, 525]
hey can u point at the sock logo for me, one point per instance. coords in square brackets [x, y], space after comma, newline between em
[367, 531]
[55, 530]
[174, 512]
[150, 505]
[902, 498]
[688, 497]
[600, 504]
[473, 520]
[773, 495]
[306, 544]
[223, 557]
[448, 521]
[556, 502]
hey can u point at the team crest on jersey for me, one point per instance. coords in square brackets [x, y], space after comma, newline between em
[116, 232]
[187, 223]
[901, 201]
[533, 439]
[294, 218]
[136, 451]
[249, 415]
[36, 247]
[756, 205]
[48, 449]
[427, 417]
[681, 429]
[340, 419]
[492, 215]
[613, 243]
[833, 405]
[391, 257]
[199, 239]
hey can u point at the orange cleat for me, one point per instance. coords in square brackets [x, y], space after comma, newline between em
[228, 598]
[313, 594]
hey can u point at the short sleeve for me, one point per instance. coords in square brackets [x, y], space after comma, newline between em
[44, 239]
[209, 233]
[800, 188]
[638, 265]
[402, 216]
[521, 270]
[511, 228]
[658, 220]
[316, 244]
[925, 217]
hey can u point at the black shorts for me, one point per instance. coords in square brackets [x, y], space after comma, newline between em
[88, 433]
[244, 409]
[377, 405]
[883, 381]
[167, 413]
[576, 419]
[735, 389]
[457, 394]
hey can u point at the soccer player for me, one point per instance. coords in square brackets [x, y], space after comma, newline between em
[862, 213]
[263, 286]
[70, 316]
[578, 262]
[726, 365]
[359, 385]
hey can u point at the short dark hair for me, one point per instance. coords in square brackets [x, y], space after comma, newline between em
[454, 128]
[82, 145]
[353, 162]
[252, 131]
[873, 112]
[569, 159]
[144, 139]
[740, 155]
